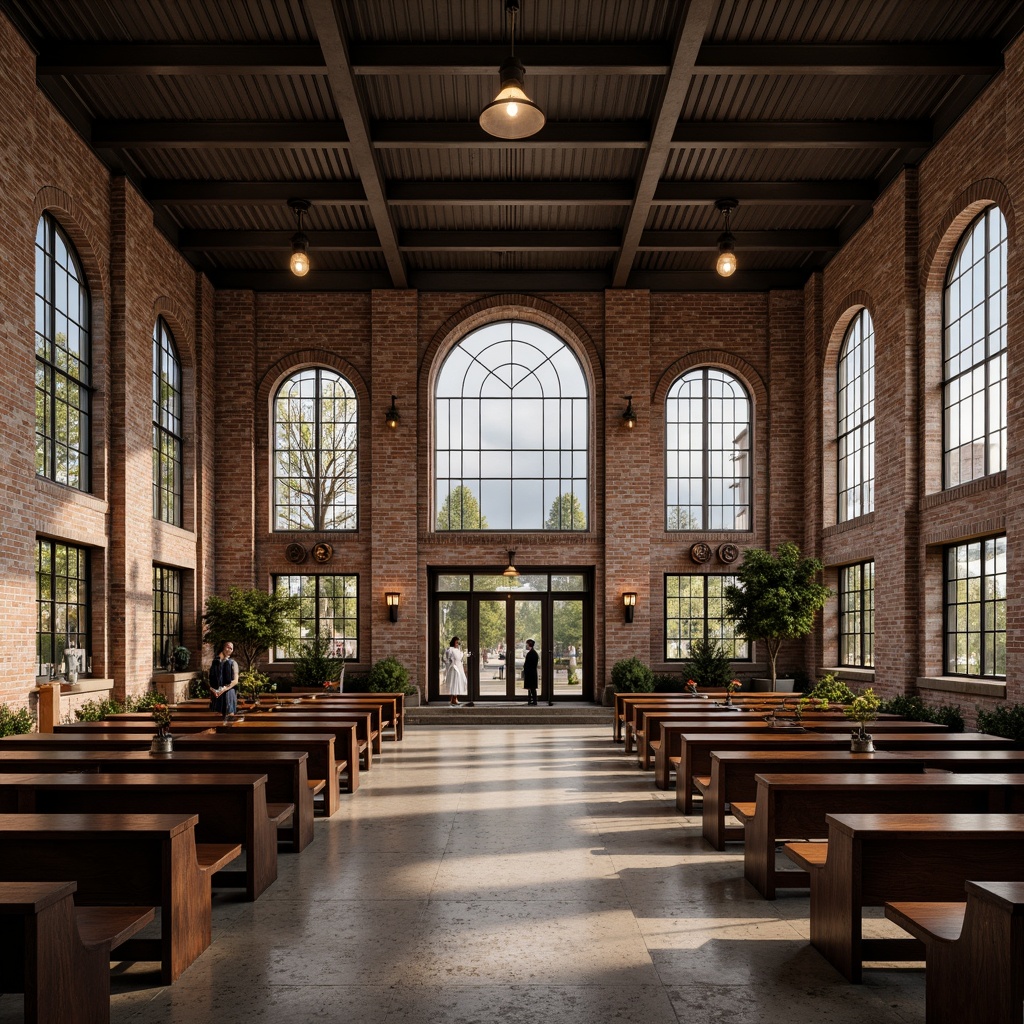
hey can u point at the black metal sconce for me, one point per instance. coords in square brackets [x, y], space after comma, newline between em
[391, 416]
[393, 597]
[628, 604]
[629, 416]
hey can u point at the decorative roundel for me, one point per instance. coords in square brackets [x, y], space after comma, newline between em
[295, 553]
[322, 552]
[700, 553]
[728, 553]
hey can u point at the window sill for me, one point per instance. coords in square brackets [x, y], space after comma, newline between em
[960, 684]
[858, 675]
[82, 686]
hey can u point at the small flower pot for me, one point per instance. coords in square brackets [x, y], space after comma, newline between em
[865, 745]
[162, 745]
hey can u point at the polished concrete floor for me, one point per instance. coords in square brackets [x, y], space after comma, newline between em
[513, 875]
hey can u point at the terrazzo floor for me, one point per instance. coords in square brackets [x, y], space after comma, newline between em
[513, 875]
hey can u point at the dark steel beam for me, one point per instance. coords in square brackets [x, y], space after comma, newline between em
[510, 280]
[672, 96]
[195, 192]
[217, 134]
[209, 240]
[709, 281]
[767, 193]
[179, 59]
[508, 241]
[314, 281]
[510, 193]
[891, 59]
[469, 135]
[804, 134]
[751, 241]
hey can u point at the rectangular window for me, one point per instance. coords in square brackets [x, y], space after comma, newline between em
[328, 607]
[695, 608]
[975, 608]
[857, 615]
[62, 602]
[166, 614]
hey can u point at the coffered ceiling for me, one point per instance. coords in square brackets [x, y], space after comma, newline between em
[802, 110]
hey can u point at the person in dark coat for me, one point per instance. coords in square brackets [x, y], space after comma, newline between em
[530, 672]
[224, 682]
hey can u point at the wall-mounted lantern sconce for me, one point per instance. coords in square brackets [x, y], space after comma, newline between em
[391, 416]
[629, 417]
[510, 570]
[628, 604]
[393, 597]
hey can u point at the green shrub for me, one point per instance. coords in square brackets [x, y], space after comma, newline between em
[389, 675]
[15, 723]
[834, 690]
[668, 683]
[251, 683]
[314, 664]
[198, 685]
[1003, 721]
[950, 716]
[708, 665]
[915, 709]
[631, 675]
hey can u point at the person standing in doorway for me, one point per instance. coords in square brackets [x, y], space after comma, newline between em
[455, 683]
[224, 682]
[530, 672]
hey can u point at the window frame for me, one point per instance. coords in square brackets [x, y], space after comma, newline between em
[83, 633]
[165, 356]
[161, 614]
[280, 654]
[47, 365]
[860, 333]
[350, 508]
[865, 611]
[726, 579]
[948, 634]
[707, 425]
[988, 361]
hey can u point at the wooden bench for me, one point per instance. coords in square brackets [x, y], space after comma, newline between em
[392, 715]
[791, 806]
[285, 771]
[125, 860]
[231, 808]
[59, 954]
[873, 859]
[1003, 760]
[974, 953]
[733, 778]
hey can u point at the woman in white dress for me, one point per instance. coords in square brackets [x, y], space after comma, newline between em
[455, 682]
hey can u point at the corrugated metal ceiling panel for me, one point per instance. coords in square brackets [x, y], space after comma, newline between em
[509, 218]
[509, 164]
[267, 164]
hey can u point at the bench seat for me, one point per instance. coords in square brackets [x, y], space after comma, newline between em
[280, 814]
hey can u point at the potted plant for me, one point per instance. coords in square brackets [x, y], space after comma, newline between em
[315, 665]
[630, 675]
[731, 687]
[251, 683]
[708, 664]
[253, 620]
[181, 656]
[864, 709]
[389, 675]
[163, 741]
[775, 599]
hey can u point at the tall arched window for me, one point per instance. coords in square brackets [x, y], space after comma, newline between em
[511, 414]
[167, 479]
[63, 356]
[974, 353]
[707, 453]
[855, 404]
[315, 452]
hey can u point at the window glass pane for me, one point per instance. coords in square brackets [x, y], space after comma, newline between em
[695, 608]
[62, 604]
[167, 451]
[327, 606]
[855, 410]
[856, 615]
[511, 407]
[166, 615]
[975, 608]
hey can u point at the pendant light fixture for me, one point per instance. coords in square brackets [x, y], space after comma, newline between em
[727, 263]
[512, 114]
[510, 570]
[299, 262]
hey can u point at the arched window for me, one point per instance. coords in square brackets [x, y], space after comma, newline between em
[167, 480]
[707, 453]
[63, 356]
[511, 414]
[855, 402]
[315, 452]
[974, 353]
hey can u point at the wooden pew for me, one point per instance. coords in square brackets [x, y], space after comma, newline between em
[695, 748]
[125, 860]
[231, 809]
[974, 953]
[59, 954]
[287, 780]
[873, 859]
[392, 705]
[733, 778]
[791, 806]
[1001, 760]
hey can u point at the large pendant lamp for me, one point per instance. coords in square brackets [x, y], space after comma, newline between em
[512, 114]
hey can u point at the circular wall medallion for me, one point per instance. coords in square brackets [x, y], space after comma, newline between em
[728, 553]
[295, 553]
[322, 552]
[700, 553]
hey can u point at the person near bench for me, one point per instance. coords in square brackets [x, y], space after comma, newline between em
[224, 682]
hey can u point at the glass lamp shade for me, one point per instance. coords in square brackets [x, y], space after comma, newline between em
[512, 114]
[299, 262]
[727, 263]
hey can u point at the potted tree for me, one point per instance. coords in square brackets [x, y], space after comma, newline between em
[864, 709]
[775, 599]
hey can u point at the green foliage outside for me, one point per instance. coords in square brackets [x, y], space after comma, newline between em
[15, 723]
[566, 513]
[314, 664]
[915, 709]
[776, 598]
[1003, 721]
[864, 709]
[253, 620]
[631, 675]
[708, 664]
[252, 683]
[834, 690]
[460, 510]
[389, 675]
